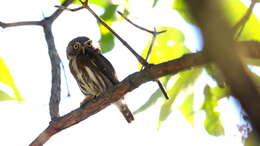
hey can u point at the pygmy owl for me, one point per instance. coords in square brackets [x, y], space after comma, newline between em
[93, 72]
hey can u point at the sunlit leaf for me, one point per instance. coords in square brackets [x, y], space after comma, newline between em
[212, 123]
[4, 96]
[187, 108]
[106, 41]
[234, 10]
[219, 92]
[7, 79]
[168, 46]
[186, 79]
[181, 7]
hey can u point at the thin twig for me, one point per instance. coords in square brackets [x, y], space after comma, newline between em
[5, 25]
[243, 20]
[69, 9]
[155, 34]
[140, 27]
[55, 61]
[162, 88]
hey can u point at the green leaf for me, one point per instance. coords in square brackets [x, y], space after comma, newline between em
[168, 46]
[181, 7]
[212, 123]
[234, 10]
[187, 108]
[4, 96]
[154, 3]
[219, 92]
[7, 79]
[186, 79]
[106, 41]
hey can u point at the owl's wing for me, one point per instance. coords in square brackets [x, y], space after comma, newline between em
[103, 65]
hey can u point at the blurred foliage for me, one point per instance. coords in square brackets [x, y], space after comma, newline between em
[212, 123]
[6, 79]
[107, 38]
[154, 2]
[187, 109]
[184, 81]
[234, 10]
[181, 7]
[168, 46]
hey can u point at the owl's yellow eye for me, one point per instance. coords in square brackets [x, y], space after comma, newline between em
[76, 46]
[88, 43]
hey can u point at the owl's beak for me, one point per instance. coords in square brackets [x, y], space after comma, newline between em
[82, 49]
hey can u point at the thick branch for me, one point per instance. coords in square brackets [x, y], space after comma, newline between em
[220, 48]
[55, 62]
[55, 70]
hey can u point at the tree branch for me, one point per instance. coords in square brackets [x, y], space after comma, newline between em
[55, 61]
[5, 25]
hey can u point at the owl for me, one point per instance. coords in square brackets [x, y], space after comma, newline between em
[93, 72]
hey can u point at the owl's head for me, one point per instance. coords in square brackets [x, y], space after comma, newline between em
[78, 46]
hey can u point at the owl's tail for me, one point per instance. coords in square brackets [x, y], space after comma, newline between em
[125, 111]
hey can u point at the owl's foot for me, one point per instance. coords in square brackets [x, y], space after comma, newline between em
[87, 99]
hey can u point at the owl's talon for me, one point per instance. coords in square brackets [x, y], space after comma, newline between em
[86, 100]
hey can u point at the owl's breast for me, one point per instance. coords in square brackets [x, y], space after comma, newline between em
[89, 78]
